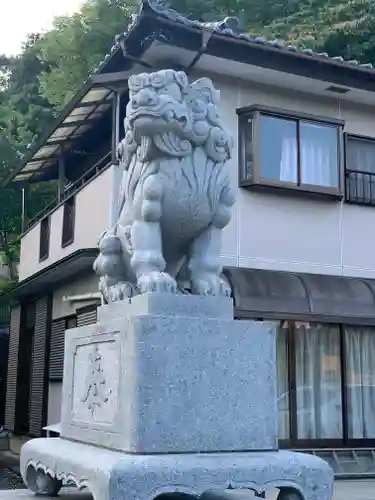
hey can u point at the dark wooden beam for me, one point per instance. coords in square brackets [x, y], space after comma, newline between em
[99, 102]
[115, 124]
[42, 158]
[76, 123]
[60, 142]
[111, 78]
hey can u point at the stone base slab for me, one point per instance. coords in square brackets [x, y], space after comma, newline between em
[47, 464]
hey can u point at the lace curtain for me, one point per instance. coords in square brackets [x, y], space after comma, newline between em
[360, 386]
[318, 379]
[317, 159]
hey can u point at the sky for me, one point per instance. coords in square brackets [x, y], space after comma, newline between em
[20, 17]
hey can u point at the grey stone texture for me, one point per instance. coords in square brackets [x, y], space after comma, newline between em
[343, 490]
[112, 475]
[176, 194]
[167, 393]
[177, 305]
[188, 380]
[192, 474]
[181, 404]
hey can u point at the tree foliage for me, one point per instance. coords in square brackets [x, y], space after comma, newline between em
[37, 83]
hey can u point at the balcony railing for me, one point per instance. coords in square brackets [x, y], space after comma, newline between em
[72, 188]
[360, 187]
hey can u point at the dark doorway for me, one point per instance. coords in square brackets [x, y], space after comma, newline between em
[22, 418]
[4, 349]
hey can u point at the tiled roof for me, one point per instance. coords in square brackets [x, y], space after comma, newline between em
[230, 27]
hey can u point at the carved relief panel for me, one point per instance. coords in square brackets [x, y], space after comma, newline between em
[95, 381]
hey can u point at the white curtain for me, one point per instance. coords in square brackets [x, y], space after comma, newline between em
[282, 381]
[360, 362]
[289, 161]
[319, 155]
[319, 405]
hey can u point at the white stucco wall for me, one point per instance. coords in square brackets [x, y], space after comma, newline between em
[270, 231]
[267, 231]
[54, 402]
[82, 285]
[91, 219]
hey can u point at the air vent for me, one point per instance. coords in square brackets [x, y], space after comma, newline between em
[337, 90]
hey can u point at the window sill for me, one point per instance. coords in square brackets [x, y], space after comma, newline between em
[43, 258]
[67, 243]
[307, 191]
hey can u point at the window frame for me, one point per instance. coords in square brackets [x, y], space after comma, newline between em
[293, 441]
[44, 238]
[347, 171]
[256, 111]
[68, 225]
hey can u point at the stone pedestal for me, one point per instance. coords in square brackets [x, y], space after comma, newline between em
[168, 393]
[192, 380]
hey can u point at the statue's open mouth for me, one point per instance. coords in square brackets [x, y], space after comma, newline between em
[144, 114]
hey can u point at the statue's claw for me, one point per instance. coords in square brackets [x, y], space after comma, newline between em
[120, 291]
[157, 282]
[210, 284]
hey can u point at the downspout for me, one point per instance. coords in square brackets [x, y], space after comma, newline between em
[206, 36]
[208, 29]
[116, 174]
[25, 214]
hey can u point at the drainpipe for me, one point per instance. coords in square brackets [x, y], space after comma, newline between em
[116, 173]
[206, 36]
[61, 181]
[24, 214]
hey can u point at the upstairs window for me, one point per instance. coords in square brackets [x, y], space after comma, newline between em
[44, 238]
[360, 170]
[300, 153]
[68, 222]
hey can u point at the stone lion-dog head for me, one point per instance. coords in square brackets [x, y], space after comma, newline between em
[171, 116]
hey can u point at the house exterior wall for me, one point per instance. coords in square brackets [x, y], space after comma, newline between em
[61, 309]
[91, 219]
[286, 233]
[337, 240]
[267, 231]
[83, 285]
[54, 402]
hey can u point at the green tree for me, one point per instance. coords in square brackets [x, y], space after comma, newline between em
[24, 114]
[77, 44]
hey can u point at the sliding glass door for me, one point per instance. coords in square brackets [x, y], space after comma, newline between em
[318, 381]
[360, 381]
[326, 384]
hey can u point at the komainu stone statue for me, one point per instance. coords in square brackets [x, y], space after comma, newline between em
[175, 196]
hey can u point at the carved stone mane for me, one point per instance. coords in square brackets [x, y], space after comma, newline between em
[175, 195]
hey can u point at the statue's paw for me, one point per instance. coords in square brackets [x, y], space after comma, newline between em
[157, 282]
[120, 291]
[210, 284]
